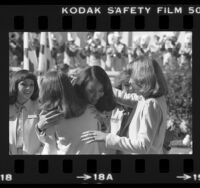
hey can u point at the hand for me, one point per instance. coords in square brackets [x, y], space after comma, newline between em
[48, 119]
[93, 136]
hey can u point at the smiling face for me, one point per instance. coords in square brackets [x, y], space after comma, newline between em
[25, 90]
[94, 91]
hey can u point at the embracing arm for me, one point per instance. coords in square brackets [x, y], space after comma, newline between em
[150, 121]
[126, 99]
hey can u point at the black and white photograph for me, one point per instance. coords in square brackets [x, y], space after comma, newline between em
[100, 93]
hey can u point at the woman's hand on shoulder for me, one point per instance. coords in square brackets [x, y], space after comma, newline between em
[48, 119]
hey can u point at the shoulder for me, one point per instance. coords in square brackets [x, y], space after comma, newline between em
[91, 110]
[92, 113]
[152, 105]
[151, 112]
[151, 102]
[89, 115]
[156, 102]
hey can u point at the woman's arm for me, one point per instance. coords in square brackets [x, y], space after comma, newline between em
[149, 124]
[151, 118]
[126, 99]
[48, 119]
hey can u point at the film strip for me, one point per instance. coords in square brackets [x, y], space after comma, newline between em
[105, 168]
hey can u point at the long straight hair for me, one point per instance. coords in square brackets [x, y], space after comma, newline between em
[107, 101]
[56, 91]
[148, 79]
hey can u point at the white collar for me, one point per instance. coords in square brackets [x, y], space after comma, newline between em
[26, 105]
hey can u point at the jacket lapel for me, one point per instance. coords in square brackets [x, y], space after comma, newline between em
[123, 130]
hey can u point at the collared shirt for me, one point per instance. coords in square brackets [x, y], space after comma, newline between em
[22, 120]
[20, 127]
[20, 123]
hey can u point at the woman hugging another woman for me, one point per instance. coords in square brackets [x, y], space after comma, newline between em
[144, 131]
[79, 106]
[94, 87]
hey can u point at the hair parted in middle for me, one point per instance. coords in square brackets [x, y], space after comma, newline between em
[56, 91]
[107, 101]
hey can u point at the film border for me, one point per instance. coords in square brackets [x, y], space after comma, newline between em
[124, 169]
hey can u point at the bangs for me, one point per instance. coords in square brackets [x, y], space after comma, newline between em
[22, 75]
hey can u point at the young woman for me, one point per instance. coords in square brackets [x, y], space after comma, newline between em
[94, 87]
[145, 132]
[23, 107]
[63, 137]
[23, 114]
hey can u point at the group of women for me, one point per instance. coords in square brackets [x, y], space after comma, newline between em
[58, 116]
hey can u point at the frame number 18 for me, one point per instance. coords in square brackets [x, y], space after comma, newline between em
[6, 177]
